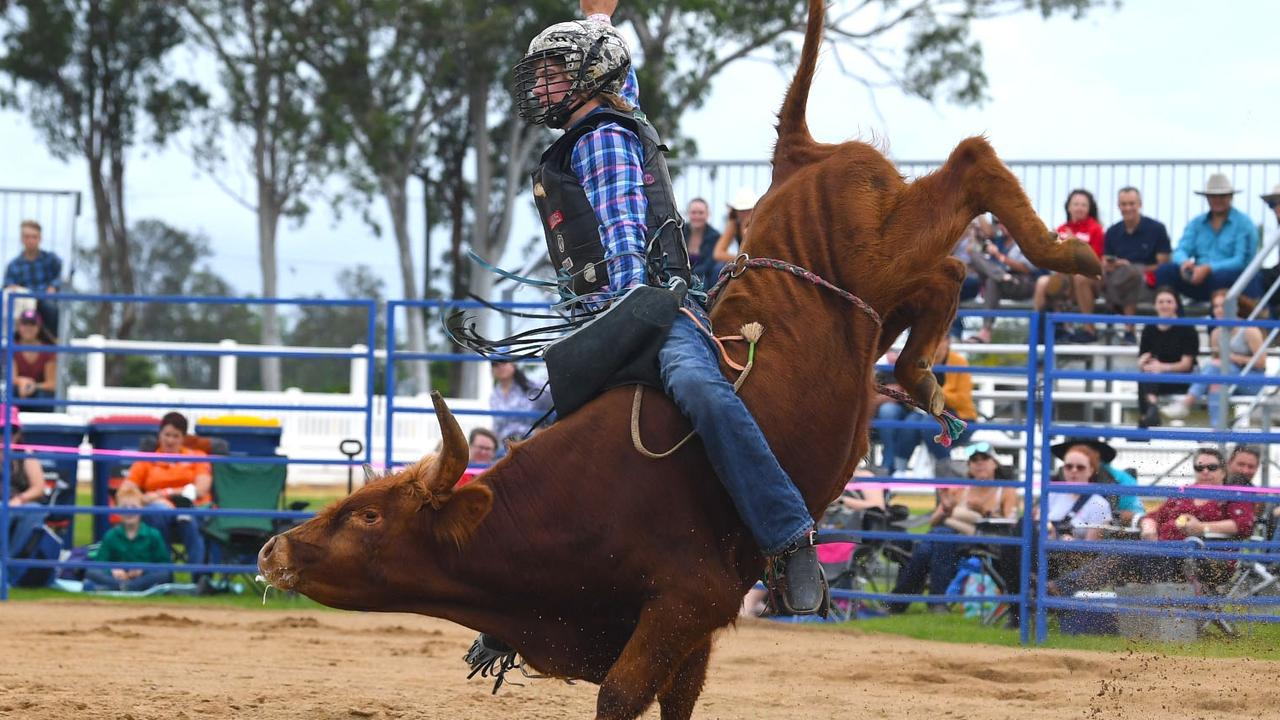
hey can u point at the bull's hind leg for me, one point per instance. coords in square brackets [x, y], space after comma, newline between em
[974, 181]
[930, 309]
[685, 685]
[664, 639]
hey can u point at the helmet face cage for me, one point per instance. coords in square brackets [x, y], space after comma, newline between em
[566, 66]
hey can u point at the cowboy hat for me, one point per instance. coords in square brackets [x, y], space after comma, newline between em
[744, 199]
[1104, 450]
[1272, 196]
[1217, 184]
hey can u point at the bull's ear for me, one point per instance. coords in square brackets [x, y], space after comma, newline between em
[456, 521]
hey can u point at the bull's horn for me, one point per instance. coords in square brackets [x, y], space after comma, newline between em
[452, 460]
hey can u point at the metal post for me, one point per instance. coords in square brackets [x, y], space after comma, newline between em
[1028, 493]
[371, 338]
[1046, 421]
[227, 368]
[358, 384]
[390, 389]
[96, 364]
[7, 454]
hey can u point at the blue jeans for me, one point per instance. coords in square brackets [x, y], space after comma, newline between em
[185, 531]
[1171, 274]
[933, 562]
[100, 579]
[899, 443]
[1213, 397]
[766, 499]
[20, 528]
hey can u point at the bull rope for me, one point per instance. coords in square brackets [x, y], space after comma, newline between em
[951, 427]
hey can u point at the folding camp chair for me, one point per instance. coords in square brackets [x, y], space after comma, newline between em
[236, 539]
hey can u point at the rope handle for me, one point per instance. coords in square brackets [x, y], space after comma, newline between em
[951, 427]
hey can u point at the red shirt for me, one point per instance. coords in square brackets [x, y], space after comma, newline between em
[1087, 230]
[1166, 516]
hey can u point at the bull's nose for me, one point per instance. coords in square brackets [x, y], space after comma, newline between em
[264, 554]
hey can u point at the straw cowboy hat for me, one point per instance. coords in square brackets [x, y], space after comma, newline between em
[744, 199]
[1272, 196]
[1217, 184]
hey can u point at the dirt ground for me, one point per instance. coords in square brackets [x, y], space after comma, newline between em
[87, 660]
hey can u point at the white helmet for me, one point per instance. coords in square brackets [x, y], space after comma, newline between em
[566, 65]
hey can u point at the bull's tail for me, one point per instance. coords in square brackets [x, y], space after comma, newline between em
[793, 131]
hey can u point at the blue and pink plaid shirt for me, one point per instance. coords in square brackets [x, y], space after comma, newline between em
[609, 162]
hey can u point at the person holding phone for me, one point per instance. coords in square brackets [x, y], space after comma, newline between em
[1132, 250]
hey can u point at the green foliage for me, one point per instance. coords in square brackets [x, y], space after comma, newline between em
[334, 326]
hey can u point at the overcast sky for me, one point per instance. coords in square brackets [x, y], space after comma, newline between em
[1153, 79]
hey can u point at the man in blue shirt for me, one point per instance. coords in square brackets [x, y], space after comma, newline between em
[1132, 250]
[1215, 247]
[35, 270]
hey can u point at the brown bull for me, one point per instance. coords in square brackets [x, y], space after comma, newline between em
[597, 564]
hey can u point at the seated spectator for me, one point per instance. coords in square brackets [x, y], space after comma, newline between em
[26, 487]
[1271, 267]
[35, 270]
[1063, 289]
[735, 227]
[1004, 272]
[1131, 251]
[514, 392]
[482, 445]
[1243, 464]
[132, 541]
[701, 238]
[1068, 512]
[1124, 507]
[1244, 345]
[957, 390]
[170, 484]
[971, 240]
[1178, 518]
[1164, 349]
[35, 373]
[1215, 247]
[957, 512]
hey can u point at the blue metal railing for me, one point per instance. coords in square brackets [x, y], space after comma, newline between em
[100, 510]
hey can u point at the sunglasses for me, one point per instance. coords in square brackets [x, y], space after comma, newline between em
[1211, 467]
[1074, 467]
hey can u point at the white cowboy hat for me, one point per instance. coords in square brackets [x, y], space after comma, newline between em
[1217, 184]
[1272, 196]
[744, 199]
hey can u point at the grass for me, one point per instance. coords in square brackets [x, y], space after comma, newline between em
[1260, 641]
[249, 601]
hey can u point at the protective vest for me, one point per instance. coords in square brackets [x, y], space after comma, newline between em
[570, 224]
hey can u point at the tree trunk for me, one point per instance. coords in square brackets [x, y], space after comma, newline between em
[478, 102]
[268, 223]
[394, 190]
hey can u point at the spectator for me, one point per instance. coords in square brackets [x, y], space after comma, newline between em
[1244, 345]
[1271, 271]
[170, 484]
[514, 392]
[1244, 463]
[957, 512]
[482, 444]
[700, 237]
[26, 487]
[1177, 519]
[1164, 349]
[35, 270]
[735, 228]
[1131, 251]
[1082, 225]
[132, 541]
[1125, 507]
[35, 373]
[957, 391]
[971, 241]
[1215, 247]
[1004, 272]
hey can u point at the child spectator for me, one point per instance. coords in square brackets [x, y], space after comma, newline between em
[132, 541]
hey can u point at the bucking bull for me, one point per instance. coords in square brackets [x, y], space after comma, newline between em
[598, 564]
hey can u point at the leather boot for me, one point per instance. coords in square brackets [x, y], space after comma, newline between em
[796, 583]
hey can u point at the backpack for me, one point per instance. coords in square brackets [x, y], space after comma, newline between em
[41, 544]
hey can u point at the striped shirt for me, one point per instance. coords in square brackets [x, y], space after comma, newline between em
[609, 163]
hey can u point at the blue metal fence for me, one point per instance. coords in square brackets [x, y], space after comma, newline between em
[8, 456]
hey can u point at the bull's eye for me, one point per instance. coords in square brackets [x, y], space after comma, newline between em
[368, 515]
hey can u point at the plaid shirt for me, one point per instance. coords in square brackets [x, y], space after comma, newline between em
[609, 162]
[35, 275]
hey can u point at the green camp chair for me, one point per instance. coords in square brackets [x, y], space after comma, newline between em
[251, 487]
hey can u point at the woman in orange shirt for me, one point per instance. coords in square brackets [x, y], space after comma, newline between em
[161, 481]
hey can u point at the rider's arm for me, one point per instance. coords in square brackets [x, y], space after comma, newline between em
[608, 163]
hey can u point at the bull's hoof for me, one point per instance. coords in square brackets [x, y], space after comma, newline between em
[930, 395]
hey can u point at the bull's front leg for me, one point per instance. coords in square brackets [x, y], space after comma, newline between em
[933, 307]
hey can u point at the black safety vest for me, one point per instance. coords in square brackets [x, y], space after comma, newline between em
[570, 224]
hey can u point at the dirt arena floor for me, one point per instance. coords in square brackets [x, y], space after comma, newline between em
[83, 660]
